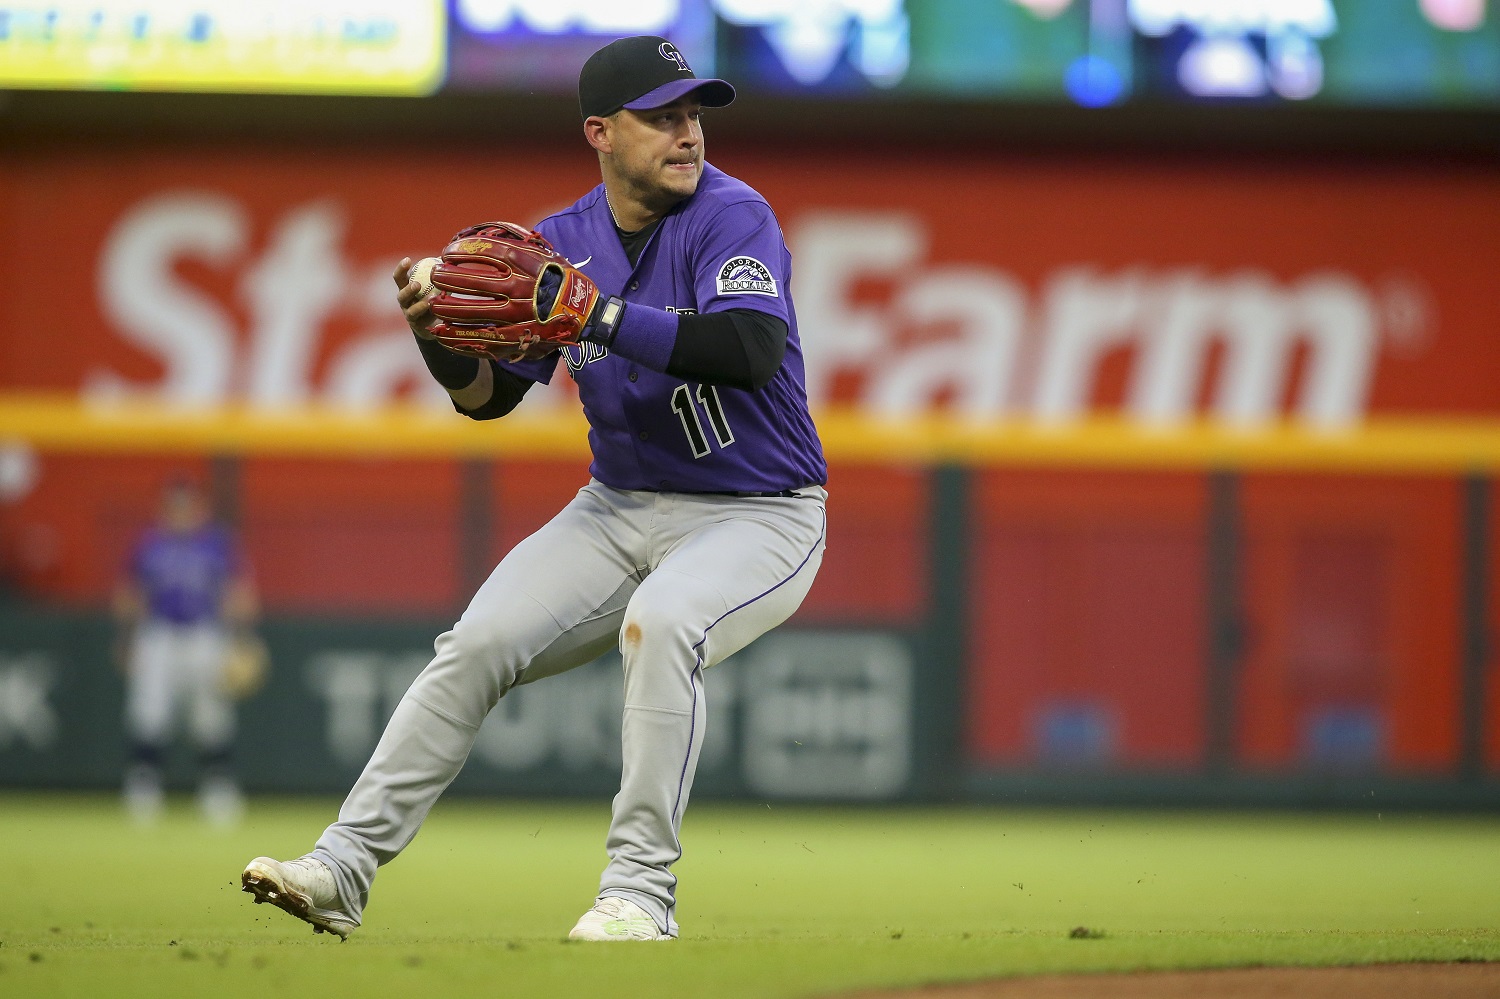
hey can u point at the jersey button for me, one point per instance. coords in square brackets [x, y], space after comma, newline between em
[634, 376]
[634, 285]
[644, 436]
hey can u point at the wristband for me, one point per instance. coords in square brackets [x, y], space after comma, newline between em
[604, 321]
[644, 335]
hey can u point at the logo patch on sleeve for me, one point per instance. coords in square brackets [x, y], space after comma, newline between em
[745, 276]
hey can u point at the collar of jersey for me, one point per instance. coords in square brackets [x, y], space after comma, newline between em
[602, 205]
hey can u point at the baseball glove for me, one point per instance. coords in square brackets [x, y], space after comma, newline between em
[246, 663]
[502, 292]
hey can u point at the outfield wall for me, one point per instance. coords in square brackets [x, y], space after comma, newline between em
[1151, 479]
[1041, 632]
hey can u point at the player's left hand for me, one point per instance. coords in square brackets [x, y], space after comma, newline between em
[504, 293]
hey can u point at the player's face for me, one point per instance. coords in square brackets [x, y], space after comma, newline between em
[659, 153]
[184, 509]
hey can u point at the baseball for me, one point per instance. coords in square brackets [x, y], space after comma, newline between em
[421, 273]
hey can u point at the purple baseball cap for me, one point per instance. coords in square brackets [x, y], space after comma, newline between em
[641, 72]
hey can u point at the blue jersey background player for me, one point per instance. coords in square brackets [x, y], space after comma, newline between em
[185, 592]
[702, 528]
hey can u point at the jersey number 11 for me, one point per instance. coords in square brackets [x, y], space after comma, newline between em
[708, 398]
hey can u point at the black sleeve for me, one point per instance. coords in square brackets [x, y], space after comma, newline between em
[450, 370]
[509, 388]
[740, 348]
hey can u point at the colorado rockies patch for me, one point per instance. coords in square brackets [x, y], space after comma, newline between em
[745, 276]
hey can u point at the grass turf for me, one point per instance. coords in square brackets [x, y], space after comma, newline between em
[774, 901]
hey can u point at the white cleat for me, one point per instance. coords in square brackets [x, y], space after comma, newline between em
[613, 919]
[303, 887]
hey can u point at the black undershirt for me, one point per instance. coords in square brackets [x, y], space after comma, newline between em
[738, 348]
[634, 243]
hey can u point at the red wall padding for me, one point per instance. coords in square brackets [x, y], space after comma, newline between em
[876, 569]
[376, 537]
[525, 495]
[1352, 601]
[387, 536]
[1088, 619]
[67, 539]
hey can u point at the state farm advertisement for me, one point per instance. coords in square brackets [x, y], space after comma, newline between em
[1027, 289]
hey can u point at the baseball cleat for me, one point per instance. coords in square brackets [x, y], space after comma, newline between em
[614, 919]
[303, 887]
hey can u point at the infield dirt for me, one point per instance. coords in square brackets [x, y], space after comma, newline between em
[1391, 981]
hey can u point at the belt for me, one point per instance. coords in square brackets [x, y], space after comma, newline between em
[749, 495]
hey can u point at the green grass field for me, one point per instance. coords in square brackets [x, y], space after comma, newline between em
[774, 901]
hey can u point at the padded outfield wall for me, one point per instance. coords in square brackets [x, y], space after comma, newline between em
[1150, 480]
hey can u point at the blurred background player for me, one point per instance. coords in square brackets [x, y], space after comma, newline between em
[184, 607]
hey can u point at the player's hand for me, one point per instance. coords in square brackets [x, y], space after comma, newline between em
[409, 296]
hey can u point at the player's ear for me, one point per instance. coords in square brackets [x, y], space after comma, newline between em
[597, 131]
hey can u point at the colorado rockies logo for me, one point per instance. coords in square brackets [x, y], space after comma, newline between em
[669, 52]
[745, 276]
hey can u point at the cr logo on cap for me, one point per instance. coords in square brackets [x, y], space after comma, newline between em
[669, 51]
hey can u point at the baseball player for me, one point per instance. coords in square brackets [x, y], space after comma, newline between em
[702, 527]
[185, 594]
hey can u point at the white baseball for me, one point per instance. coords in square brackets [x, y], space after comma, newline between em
[421, 273]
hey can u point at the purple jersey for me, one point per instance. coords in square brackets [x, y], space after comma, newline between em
[720, 249]
[183, 576]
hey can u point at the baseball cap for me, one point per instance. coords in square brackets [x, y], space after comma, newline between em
[640, 72]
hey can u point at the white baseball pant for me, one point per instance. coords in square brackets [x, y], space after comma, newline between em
[680, 581]
[178, 669]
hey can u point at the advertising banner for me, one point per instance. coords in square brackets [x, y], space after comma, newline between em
[1032, 290]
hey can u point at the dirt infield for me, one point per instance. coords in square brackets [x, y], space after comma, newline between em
[1388, 981]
